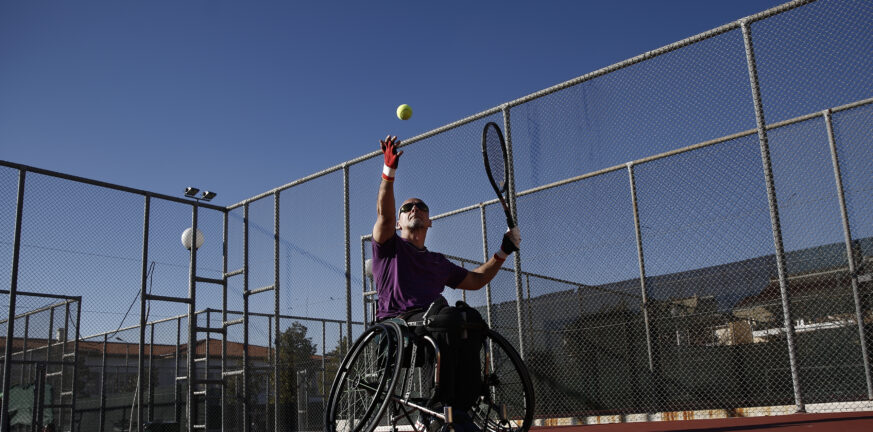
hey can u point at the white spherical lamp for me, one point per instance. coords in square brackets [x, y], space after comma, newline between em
[187, 239]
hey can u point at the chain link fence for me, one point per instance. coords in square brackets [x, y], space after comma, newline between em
[728, 267]
[43, 359]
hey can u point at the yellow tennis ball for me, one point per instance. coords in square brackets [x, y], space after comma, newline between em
[404, 112]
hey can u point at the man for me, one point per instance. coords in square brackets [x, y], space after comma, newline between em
[408, 277]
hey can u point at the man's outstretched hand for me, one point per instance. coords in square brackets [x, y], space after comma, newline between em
[389, 149]
[392, 156]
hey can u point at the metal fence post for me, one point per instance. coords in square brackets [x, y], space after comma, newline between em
[245, 352]
[176, 381]
[151, 382]
[272, 351]
[24, 369]
[348, 251]
[224, 228]
[642, 264]
[142, 313]
[13, 287]
[519, 290]
[850, 254]
[38, 413]
[207, 421]
[63, 367]
[301, 403]
[51, 330]
[324, 389]
[103, 384]
[365, 293]
[485, 259]
[73, 390]
[340, 348]
[276, 311]
[192, 324]
[774, 213]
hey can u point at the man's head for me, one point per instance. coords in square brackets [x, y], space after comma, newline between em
[413, 215]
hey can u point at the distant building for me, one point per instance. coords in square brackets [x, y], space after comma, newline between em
[728, 304]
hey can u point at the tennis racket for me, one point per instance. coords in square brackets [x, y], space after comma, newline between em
[495, 156]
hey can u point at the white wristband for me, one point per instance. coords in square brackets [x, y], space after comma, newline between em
[388, 171]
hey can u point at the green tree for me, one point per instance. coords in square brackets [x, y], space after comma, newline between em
[332, 361]
[296, 353]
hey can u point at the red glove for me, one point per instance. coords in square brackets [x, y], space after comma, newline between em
[392, 156]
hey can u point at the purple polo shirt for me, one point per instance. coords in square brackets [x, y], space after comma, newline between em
[407, 277]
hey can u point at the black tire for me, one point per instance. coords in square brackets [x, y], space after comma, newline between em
[358, 396]
[506, 382]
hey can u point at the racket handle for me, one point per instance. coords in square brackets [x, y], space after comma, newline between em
[509, 222]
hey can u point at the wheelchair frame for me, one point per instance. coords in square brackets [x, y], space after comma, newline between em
[367, 394]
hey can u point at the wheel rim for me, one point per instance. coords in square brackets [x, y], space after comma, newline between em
[507, 400]
[358, 396]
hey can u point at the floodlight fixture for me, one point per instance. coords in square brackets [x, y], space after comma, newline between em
[191, 192]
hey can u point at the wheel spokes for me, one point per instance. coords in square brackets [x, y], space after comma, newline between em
[503, 404]
[365, 381]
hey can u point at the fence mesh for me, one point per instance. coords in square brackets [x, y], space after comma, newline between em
[646, 287]
[42, 360]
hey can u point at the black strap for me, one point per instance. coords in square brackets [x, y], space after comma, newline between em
[404, 315]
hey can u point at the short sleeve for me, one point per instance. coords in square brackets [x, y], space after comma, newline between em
[387, 249]
[455, 273]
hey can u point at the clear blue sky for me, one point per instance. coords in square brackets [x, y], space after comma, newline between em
[241, 97]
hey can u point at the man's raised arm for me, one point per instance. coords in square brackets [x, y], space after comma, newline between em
[386, 220]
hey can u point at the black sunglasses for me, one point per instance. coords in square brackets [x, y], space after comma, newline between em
[408, 206]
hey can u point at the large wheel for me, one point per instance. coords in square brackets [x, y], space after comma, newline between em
[365, 377]
[507, 400]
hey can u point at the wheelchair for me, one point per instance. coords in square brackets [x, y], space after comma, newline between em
[380, 384]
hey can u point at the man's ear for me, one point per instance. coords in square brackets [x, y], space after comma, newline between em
[396, 225]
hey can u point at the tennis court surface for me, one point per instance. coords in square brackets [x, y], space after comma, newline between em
[841, 422]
